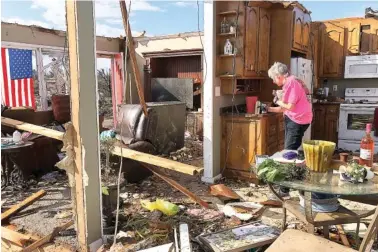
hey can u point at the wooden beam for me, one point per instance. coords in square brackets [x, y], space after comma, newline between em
[155, 160]
[134, 64]
[84, 116]
[15, 237]
[32, 128]
[22, 205]
[47, 238]
[176, 185]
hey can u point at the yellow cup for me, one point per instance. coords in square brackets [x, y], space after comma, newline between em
[318, 154]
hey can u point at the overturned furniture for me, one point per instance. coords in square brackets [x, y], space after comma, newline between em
[161, 132]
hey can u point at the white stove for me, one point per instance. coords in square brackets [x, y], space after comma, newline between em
[355, 113]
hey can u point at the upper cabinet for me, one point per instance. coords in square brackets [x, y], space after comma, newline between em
[257, 40]
[301, 30]
[331, 50]
[374, 37]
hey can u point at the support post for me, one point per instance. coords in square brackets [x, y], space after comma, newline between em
[211, 118]
[41, 79]
[84, 110]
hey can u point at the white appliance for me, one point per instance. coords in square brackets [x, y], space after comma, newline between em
[363, 66]
[302, 68]
[355, 113]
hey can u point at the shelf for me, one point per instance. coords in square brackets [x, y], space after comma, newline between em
[228, 76]
[228, 13]
[227, 34]
[229, 55]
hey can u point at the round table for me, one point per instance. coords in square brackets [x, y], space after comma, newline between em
[11, 172]
[325, 183]
[330, 183]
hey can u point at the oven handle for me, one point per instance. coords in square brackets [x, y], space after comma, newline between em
[357, 109]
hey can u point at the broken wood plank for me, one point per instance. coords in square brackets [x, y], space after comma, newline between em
[47, 238]
[177, 186]
[343, 236]
[134, 64]
[155, 160]
[32, 128]
[22, 205]
[15, 237]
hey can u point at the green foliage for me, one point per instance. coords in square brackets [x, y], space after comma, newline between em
[272, 171]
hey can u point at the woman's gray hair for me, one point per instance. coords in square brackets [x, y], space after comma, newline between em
[278, 68]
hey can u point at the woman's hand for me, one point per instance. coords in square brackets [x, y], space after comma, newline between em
[274, 109]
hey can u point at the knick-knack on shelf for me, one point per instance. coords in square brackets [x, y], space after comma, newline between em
[225, 26]
[232, 28]
[228, 47]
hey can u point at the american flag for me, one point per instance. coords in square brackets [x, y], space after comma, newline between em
[17, 85]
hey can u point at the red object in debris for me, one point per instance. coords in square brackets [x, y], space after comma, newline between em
[251, 104]
[61, 108]
[224, 191]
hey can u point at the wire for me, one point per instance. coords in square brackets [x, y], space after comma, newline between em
[234, 83]
[121, 162]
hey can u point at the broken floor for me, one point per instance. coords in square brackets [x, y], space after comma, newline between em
[142, 228]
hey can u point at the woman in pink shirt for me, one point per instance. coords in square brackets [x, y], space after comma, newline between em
[294, 104]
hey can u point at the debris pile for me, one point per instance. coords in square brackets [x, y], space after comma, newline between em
[193, 149]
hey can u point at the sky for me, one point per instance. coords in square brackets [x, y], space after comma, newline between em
[152, 17]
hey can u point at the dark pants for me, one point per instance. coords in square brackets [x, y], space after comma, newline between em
[294, 133]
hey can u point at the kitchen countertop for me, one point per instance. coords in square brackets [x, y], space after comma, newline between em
[328, 103]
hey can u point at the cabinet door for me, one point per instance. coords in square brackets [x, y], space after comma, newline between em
[318, 132]
[297, 29]
[354, 29]
[331, 128]
[242, 145]
[374, 37]
[264, 38]
[332, 50]
[251, 41]
[306, 32]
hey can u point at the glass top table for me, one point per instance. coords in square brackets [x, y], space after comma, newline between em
[330, 183]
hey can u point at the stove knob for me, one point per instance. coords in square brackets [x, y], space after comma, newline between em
[352, 91]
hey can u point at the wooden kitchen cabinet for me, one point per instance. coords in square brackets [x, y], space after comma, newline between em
[331, 62]
[374, 37]
[326, 121]
[245, 137]
[301, 30]
[257, 39]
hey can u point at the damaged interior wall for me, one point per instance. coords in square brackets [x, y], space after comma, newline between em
[181, 41]
[35, 35]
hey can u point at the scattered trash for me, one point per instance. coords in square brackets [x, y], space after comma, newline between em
[162, 248]
[63, 215]
[204, 214]
[124, 196]
[271, 203]
[233, 221]
[161, 205]
[240, 238]
[185, 245]
[51, 177]
[224, 191]
[243, 210]
[352, 227]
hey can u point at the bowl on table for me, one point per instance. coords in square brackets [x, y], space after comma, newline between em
[318, 154]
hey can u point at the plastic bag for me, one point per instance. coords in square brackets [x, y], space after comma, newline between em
[163, 206]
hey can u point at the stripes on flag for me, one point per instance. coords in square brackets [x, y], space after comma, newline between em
[17, 84]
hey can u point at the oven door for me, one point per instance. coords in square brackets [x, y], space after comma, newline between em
[353, 120]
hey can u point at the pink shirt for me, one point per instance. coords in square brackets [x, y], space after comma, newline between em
[294, 93]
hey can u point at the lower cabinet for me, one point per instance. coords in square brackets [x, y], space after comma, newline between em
[245, 137]
[326, 121]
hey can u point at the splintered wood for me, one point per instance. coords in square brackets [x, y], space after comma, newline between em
[22, 205]
[15, 237]
[32, 128]
[177, 186]
[134, 65]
